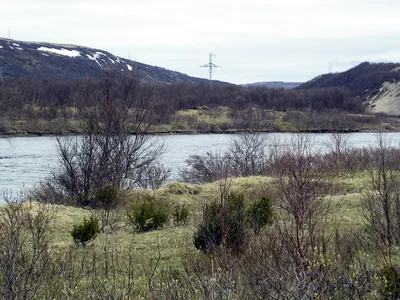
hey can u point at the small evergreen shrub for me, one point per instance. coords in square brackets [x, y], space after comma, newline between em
[148, 215]
[85, 232]
[223, 225]
[107, 197]
[391, 286]
[208, 236]
[181, 215]
[259, 214]
[236, 234]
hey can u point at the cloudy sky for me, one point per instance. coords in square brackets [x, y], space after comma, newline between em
[254, 40]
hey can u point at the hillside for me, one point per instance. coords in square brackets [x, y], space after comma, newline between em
[364, 80]
[44, 60]
[377, 84]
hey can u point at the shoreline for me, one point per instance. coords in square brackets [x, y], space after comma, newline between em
[195, 132]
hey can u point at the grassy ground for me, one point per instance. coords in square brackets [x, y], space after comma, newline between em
[172, 243]
[169, 248]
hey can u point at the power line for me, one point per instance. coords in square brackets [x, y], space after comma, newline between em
[210, 65]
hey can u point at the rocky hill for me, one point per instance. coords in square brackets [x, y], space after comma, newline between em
[44, 60]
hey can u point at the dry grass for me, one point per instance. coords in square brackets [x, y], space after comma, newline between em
[173, 242]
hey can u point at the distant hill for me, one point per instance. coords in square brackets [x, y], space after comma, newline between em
[378, 84]
[44, 60]
[275, 84]
[364, 80]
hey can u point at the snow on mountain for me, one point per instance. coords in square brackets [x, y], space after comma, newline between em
[62, 51]
[20, 59]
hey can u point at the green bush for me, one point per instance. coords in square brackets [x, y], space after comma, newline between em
[236, 234]
[181, 215]
[391, 287]
[107, 197]
[208, 236]
[84, 232]
[148, 215]
[223, 224]
[259, 214]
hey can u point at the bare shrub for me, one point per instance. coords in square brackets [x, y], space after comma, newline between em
[106, 272]
[300, 193]
[24, 249]
[246, 156]
[270, 272]
[381, 204]
[152, 176]
[114, 145]
[203, 169]
[338, 147]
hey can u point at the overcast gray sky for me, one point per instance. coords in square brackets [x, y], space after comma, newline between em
[254, 40]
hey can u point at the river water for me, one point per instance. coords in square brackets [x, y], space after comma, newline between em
[24, 161]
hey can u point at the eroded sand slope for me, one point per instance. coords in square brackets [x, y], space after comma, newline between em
[387, 100]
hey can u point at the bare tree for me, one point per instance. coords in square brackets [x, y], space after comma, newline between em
[339, 148]
[202, 169]
[7, 96]
[381, 204]
[300, 193]
[115, 144]
[152, 176]
[248, 154]
[24, 248]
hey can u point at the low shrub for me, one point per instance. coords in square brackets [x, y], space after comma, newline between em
[107, 197]
[259, 214]
[148, 215]
[223, 224]
[391, 285]
[85, 232]
[236, 233]
[181, 215]
[208, 236]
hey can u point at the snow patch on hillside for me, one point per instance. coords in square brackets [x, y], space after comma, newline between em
[387, 100]
[129, 67]
[62, 51]
[1, 47]
[95, 58]
[101, 53]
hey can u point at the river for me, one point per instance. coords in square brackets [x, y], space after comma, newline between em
[24, 161]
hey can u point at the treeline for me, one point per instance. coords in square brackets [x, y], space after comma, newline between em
[238, 97]
[23, 96]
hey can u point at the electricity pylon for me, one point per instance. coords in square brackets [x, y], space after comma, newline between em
[210, 65]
